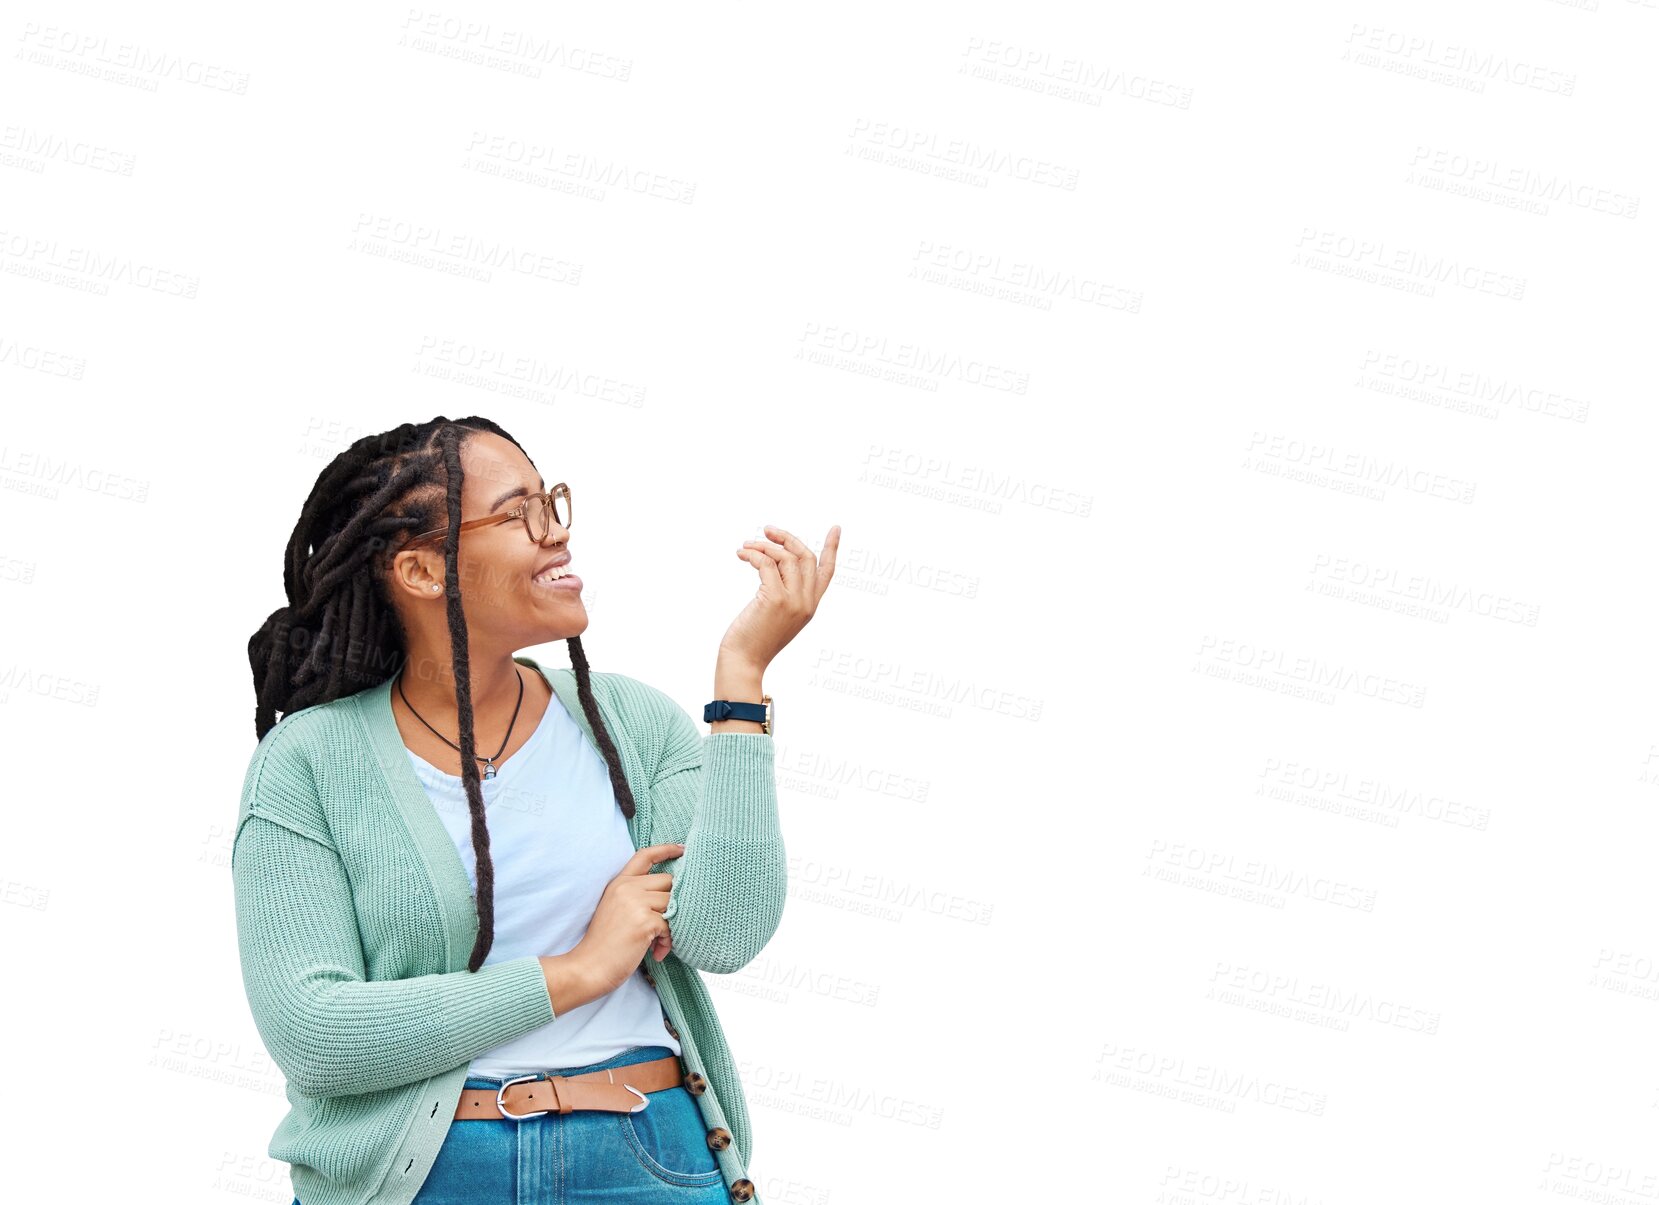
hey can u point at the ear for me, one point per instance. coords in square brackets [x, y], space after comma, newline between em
[415, 571]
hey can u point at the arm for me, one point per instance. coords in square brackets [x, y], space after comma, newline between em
[729, 886]
[719, 797]
[331, 1030]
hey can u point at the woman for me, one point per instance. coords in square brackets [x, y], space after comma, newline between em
[411, 967]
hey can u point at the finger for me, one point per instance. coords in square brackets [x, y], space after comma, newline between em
[647, 856]
[661, 881]
[787, 562]
[767, 566]
[788, 540]
[826, 559]
[812, 570]
[805, 563]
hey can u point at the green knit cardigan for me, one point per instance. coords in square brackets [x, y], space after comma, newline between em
[355, 917]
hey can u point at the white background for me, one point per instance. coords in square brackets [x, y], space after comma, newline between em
[1225, 766]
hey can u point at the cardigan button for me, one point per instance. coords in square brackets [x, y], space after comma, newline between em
[650, 978]
[719, 1138]
[742, 1190]
[695, 1083]
[669, 1026]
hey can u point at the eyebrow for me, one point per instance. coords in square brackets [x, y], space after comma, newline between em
[513, 493]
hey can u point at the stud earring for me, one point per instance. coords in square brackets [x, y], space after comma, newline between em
[435, 586]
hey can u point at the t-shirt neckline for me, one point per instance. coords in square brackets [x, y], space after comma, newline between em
[501, 767]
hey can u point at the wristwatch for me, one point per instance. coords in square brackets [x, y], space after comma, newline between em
[761, 712]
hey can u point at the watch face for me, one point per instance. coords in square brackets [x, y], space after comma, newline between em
[771, 717]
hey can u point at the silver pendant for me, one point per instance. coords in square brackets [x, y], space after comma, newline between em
[489, 768]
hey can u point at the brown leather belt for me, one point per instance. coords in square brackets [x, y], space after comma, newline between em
[613, 1090]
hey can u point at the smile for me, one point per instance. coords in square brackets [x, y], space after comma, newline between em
[558, 578]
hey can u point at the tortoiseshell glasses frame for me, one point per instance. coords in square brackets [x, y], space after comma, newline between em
[554, 504]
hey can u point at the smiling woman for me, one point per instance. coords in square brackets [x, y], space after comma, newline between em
[513, 939]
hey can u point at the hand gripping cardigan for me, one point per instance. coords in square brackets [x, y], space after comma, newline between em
[354, 920]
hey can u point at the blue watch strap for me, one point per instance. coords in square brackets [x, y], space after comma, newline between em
[720, 709]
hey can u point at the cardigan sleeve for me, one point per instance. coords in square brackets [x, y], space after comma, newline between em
[332, 1031]
[718, 795]
[329, 1028]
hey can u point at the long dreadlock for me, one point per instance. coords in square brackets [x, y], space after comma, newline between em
[340, 634]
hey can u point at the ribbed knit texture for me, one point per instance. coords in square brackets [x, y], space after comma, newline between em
[355, 919]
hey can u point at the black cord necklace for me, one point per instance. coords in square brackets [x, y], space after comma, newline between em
[489, 762]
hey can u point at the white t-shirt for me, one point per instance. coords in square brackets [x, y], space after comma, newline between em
[557, 837]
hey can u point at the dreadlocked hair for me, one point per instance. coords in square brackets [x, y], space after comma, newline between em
[339, 633]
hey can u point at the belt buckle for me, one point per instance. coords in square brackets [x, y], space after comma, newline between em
[501, 1092]
[501, 1104]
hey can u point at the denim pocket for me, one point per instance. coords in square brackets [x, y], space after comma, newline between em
[670, 1139]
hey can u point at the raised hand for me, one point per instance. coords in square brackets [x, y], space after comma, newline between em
[792, 580]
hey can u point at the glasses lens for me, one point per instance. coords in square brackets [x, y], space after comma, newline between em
[535, 518]
[538, 513]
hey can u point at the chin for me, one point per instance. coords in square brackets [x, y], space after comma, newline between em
[574, 626]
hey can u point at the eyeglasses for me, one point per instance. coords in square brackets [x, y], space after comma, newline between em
[537, 511]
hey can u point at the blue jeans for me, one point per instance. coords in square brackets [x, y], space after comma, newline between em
[660, 1154]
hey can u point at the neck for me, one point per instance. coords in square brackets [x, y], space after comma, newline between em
[427, 682]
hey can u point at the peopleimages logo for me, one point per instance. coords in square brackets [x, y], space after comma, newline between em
[1385, 262]
[457, 251]
[1524, 182]
[1065, 77]
[925, 363]
[963, 153]
[479, 42]
[987, 271]
[84, 268]
[1274, 664]
[1361, 467]
[1426, 52]
[93, 49]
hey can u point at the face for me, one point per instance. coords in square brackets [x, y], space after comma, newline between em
[507, 606]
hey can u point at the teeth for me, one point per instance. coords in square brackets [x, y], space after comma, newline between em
[554, 574]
